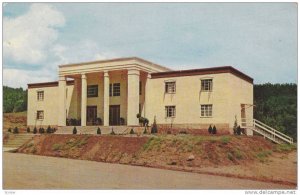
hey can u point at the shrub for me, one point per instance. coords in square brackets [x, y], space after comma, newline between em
[214, 130]
[210, 129]
[99, 131]
[131, 131]
[28, 130]
[74, 130]
[238, 130]
[145, 131]
[35, 130]
[154, 126]
[49, 130]
[41, 130]
[9, 130]
[138, 115]
[56, 147]
[16, 130]
[112, 132]
[235, 126]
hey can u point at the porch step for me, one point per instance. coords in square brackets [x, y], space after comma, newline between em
[121, 130]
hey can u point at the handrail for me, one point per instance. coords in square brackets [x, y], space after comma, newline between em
[274, 133]
[272, 128]
[266, 130]
[278, 133]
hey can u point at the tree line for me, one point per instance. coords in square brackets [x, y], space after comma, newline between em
[14, 99]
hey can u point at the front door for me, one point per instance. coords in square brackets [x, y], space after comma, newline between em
[91, 115]
[114, 115]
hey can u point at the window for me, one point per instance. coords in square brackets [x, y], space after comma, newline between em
[170, 87]
[140, 90]
[206, 85]
[40, 95]
[92, 91]
[206, 110]
[170, 111]
[115, 89]
[40, 115]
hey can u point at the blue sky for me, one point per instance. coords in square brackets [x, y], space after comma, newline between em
[260, 39]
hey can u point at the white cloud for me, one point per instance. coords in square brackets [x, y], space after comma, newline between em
[27, 38]
[20, 78]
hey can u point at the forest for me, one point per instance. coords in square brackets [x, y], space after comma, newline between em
[275, 105]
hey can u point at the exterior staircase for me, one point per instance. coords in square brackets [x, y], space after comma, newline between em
[268, 132]
[17, 140]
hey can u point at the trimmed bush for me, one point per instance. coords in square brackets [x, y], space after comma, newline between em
[28, 130]
[239, 130]
[98, 131]
[210, 129]
[138, 115]
[131, 131]
[154, 126]
[9, 130]
[41, 130]
[49, 130]
[16, 130]
[35, 130]
[74, 130]
[214, 130]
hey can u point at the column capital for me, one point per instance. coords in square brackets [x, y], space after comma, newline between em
[133, 72]
[106, 73]
[83, 76]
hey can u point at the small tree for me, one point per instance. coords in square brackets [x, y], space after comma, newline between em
[131, 131]
[154, 126]
[9, 130]
[99, 131]
[35, 130]
[239, 130]
[49, 130]
[28, 130]
[210, 129]
[214, 130]
[16, 130]
[74, 130]
[235, 126]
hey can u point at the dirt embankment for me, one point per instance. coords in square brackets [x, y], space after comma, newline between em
[219, 155]
[12, 120]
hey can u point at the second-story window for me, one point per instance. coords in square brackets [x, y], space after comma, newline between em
[40, 95]
[92, 91]
[115, 89]
[170, 87]
[206, 84]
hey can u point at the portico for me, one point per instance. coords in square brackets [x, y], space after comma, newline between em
[119, 88]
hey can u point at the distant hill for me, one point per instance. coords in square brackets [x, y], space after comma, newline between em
[14, 99]
[276, 105]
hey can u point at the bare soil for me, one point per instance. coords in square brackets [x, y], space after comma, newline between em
[233, 156]
[12, 120]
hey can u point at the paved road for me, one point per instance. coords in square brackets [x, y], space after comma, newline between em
[23, 171]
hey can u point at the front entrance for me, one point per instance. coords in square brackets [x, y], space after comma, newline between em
[91, 115]
[114, 115]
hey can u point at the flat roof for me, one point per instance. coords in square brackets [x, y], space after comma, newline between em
[47, 84]
[202, 71]
[115, 60]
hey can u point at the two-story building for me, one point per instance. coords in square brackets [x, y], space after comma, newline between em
[112, 92]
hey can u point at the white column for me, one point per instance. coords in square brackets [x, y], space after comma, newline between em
[133, 97]
[62, 101]
[146, 91]
[83, 99]
[106, 99]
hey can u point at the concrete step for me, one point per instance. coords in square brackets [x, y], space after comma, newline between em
[17, 140]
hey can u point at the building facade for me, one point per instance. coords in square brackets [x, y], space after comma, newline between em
[112, 93]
